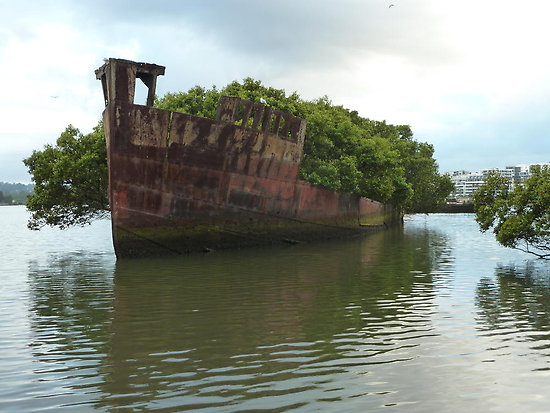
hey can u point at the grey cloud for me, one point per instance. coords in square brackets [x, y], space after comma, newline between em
[298, 33]
[213, 42]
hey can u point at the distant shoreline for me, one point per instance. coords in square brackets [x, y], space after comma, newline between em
[457, 208]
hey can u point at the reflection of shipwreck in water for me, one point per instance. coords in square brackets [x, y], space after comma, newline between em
[180, 183]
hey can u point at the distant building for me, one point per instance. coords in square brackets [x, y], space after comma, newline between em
[458, 173]
[466, 183]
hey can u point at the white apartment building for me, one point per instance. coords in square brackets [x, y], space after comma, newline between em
[466, 183]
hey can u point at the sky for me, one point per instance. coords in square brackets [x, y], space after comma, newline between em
[472, 78]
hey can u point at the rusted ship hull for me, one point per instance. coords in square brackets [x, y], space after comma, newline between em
[180, 183]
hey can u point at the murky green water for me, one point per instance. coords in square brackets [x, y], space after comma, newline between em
[435, 317]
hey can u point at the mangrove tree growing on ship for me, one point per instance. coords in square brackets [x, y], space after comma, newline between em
[342, 151]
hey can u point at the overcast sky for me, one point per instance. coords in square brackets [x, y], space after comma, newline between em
[470, 77]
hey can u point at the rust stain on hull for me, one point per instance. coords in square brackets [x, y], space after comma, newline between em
[180, 183]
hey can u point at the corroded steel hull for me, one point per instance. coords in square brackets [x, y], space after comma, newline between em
[180, 183]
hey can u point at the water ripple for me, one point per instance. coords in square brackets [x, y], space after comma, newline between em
[433, 318]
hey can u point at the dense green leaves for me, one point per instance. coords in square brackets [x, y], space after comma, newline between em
[520, 218]
[430, 189]
[70, 180]
[196, 101]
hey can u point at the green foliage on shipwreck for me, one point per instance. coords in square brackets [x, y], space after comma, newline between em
[71, 180]
[342, 152]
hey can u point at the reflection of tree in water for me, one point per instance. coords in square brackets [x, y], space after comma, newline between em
[227, 327]
[71, 293]
[224, 326]
[70, 314]
[517, 298]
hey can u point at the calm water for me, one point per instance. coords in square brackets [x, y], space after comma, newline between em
[432, 318]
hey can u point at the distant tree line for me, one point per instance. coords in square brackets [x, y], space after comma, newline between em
[14, 193]
[342, 151]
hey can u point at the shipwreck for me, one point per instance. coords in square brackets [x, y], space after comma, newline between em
[180, 183]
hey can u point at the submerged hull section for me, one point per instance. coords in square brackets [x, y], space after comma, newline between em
[181, 183]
